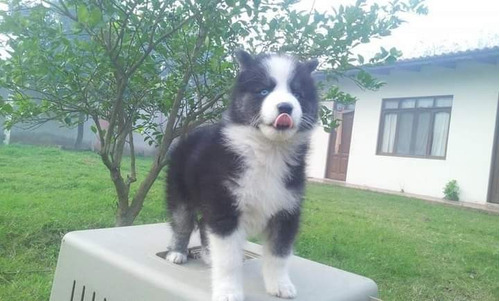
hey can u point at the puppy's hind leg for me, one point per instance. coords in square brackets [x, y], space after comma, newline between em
[182, 222]
[205, 249]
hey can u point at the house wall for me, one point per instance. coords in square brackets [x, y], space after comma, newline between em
[318, 150]
[55, 133]
[474, 87]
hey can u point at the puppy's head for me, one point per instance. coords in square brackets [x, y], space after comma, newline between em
[276, 94]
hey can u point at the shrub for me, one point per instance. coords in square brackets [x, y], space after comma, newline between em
[451, 191]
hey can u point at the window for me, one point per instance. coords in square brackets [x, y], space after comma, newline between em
[415, 127]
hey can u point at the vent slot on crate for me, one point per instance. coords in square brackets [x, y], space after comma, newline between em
[82, 295]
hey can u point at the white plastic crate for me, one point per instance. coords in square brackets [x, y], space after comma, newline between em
[125, 264]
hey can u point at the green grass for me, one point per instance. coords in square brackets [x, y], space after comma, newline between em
[413, 249]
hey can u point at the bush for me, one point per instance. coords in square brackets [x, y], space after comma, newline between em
[451, 191]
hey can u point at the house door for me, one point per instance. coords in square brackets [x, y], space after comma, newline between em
[338, 153]
[493, 189]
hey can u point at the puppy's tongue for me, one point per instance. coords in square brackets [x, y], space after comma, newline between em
[283, 121]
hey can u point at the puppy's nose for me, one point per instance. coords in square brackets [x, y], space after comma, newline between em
[285, 107]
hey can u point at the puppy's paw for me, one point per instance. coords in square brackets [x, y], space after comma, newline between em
[227, 296]
[282, 289]
[176, 257]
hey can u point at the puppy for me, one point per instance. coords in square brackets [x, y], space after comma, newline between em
[245, 175]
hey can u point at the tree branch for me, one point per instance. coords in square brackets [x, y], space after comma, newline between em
[152, 45]
[104, 157]
[119, 39]
[133, 175]
[160, 160]
[169, 128]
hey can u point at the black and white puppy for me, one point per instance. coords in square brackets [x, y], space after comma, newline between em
[246, 174]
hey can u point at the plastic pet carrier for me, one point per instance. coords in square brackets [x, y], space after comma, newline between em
[127, 264]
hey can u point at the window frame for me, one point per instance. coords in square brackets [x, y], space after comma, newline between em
[415, 112]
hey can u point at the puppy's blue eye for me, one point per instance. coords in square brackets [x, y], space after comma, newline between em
[264, 92]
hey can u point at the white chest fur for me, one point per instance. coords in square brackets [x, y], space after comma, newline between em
[260, 189]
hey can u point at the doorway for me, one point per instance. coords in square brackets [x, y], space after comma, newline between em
[338, 149]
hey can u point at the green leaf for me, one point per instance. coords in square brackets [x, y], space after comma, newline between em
[361, 59]
[83, 13]
[6, 109]
[95, 17]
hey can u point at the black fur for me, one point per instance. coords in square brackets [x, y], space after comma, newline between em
[281, 231]
[295, 181]
[199, 167]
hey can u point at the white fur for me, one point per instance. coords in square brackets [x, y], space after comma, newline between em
[260, 191]
[227, 261]
[176, 257]
[281, 69]
[276, 279]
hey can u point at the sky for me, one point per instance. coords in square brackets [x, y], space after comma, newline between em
[450, 25]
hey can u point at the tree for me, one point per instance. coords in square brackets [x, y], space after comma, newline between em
[124, 62]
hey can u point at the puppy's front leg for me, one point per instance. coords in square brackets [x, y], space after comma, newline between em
[281, 231]
[276, 279]
[227, 261]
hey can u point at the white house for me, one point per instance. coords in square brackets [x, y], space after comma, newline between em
[435, 120]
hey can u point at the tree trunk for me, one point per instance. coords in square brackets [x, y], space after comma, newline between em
[123, 220]
[122, 191]
[79, 136]
[125, 216]
[127, 212]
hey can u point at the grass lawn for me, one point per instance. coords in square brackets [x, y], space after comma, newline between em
[414, 250]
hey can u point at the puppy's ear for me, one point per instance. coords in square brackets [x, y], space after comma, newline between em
[311, 65]
[244, 59]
